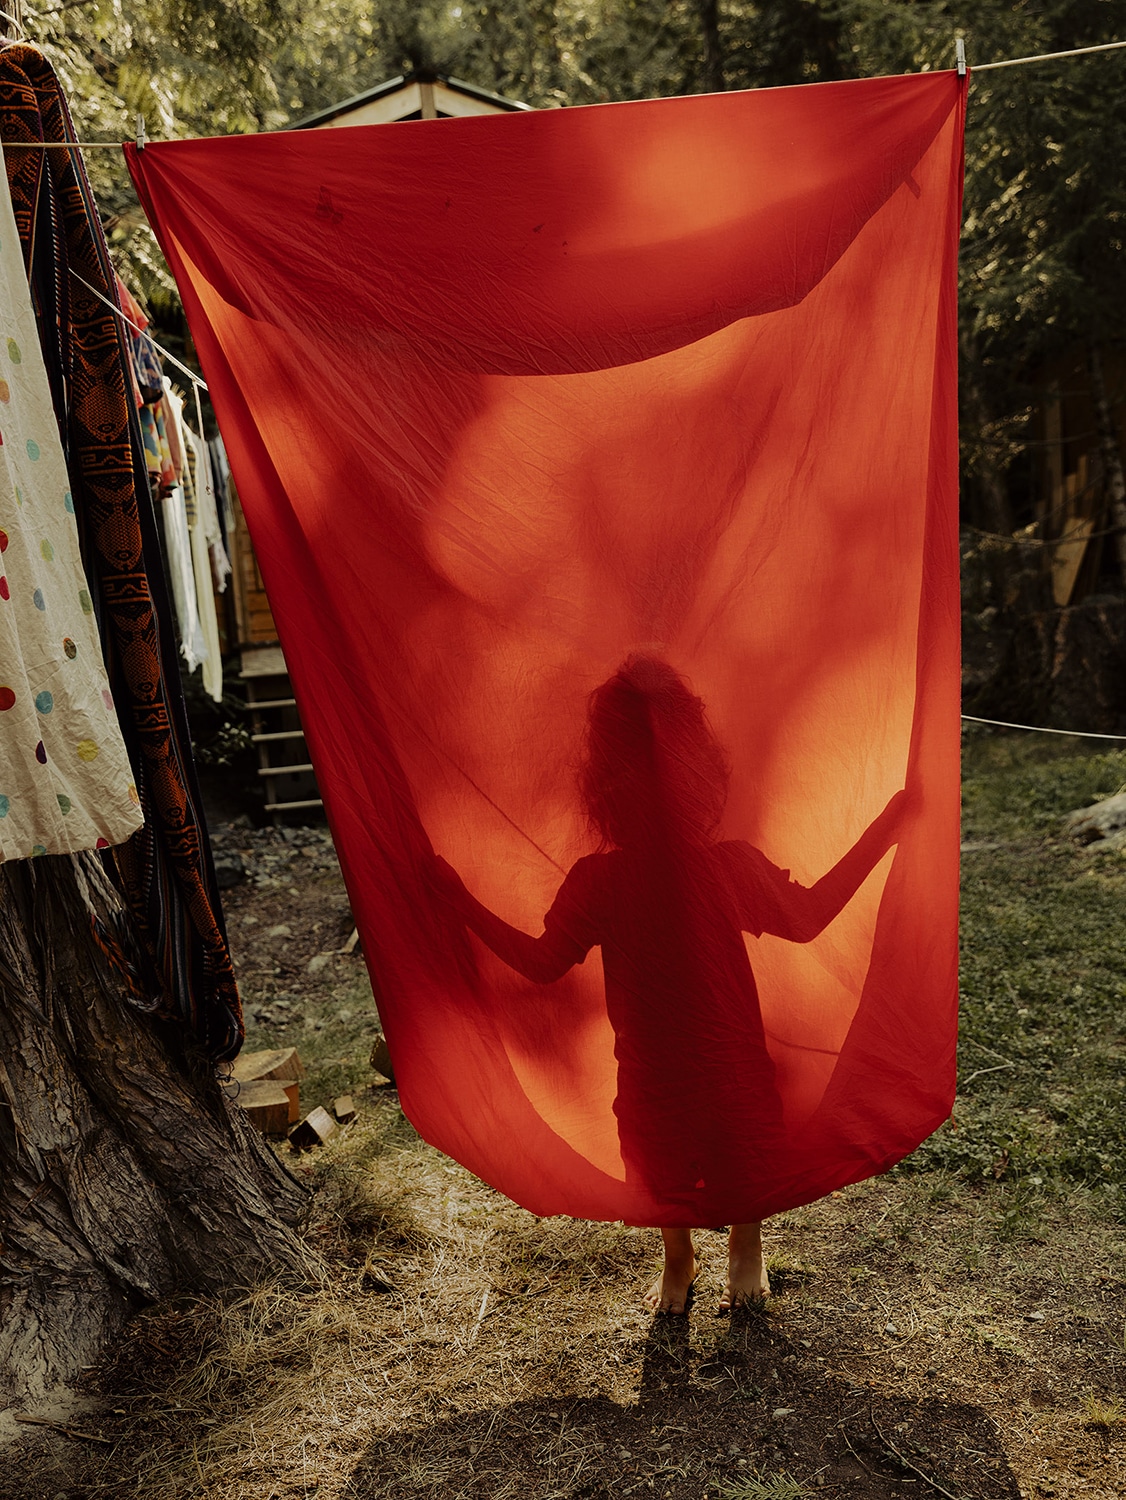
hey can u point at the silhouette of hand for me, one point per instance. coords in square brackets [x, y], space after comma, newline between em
[903, 806]
[911, 798]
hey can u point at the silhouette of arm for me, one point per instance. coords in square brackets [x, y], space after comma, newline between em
[799, 912]
[542, 960]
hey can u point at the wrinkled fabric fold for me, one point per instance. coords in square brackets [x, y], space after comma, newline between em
[601, 466]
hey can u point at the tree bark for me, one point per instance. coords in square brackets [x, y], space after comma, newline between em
[125, 1174]
[1111, 453]
[996, 513]
[1062, 668]
[714, 80]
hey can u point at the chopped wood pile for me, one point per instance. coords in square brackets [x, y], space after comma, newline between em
[267, 1086]
[314, 1130]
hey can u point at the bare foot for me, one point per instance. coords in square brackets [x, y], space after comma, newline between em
[747, 1281]
[671, 1292]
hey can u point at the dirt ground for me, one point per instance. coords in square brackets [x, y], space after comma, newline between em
[925, 1338]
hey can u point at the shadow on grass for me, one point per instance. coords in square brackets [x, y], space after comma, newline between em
[738, 1422]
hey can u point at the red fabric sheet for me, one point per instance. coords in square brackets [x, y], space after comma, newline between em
[652, 402]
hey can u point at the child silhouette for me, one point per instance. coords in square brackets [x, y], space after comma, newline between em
[668, 903]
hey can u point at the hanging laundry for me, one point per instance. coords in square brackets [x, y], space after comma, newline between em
[178, 519]
[213, 531]
[181, 571]
[202, 532]
[618, 583]
[174, 410]
[145, 361]
[209, 558]
[165, 869]
[192, 555]
[65, 778]
[157, 453]
[221, 478]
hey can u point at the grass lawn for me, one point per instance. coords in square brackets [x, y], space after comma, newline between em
[955, 1328]
[1043, 977]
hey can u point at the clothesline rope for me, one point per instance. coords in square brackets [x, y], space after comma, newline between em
[196, 380]
[1012, 62]
[1008, 62]
[1079, 734]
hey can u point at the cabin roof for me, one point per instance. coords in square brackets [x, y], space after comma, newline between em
[402, 99]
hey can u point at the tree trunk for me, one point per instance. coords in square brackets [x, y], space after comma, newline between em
[714, 81]
[124, 1173]
[1063, 668]
[1111, 453]
[996, 513]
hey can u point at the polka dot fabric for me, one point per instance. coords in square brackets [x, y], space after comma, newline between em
[65, 779]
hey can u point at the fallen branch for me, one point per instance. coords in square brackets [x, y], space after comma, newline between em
[480, 1316]
[907, 1464]
[969, 1041]
[70, 1432]
[844, 1433]
[997, 1068]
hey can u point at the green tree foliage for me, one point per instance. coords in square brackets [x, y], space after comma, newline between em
[189, 66]
[1042, 251]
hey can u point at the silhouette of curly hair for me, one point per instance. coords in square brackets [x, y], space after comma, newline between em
[653, 774]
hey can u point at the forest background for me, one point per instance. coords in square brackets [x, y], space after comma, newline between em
[1041, 284]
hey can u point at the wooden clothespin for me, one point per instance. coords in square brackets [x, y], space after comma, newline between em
[960, 55]
[142, 137]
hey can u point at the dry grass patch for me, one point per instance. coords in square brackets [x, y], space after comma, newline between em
[442, 1298]
[456, 1347]
[957, 1327]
